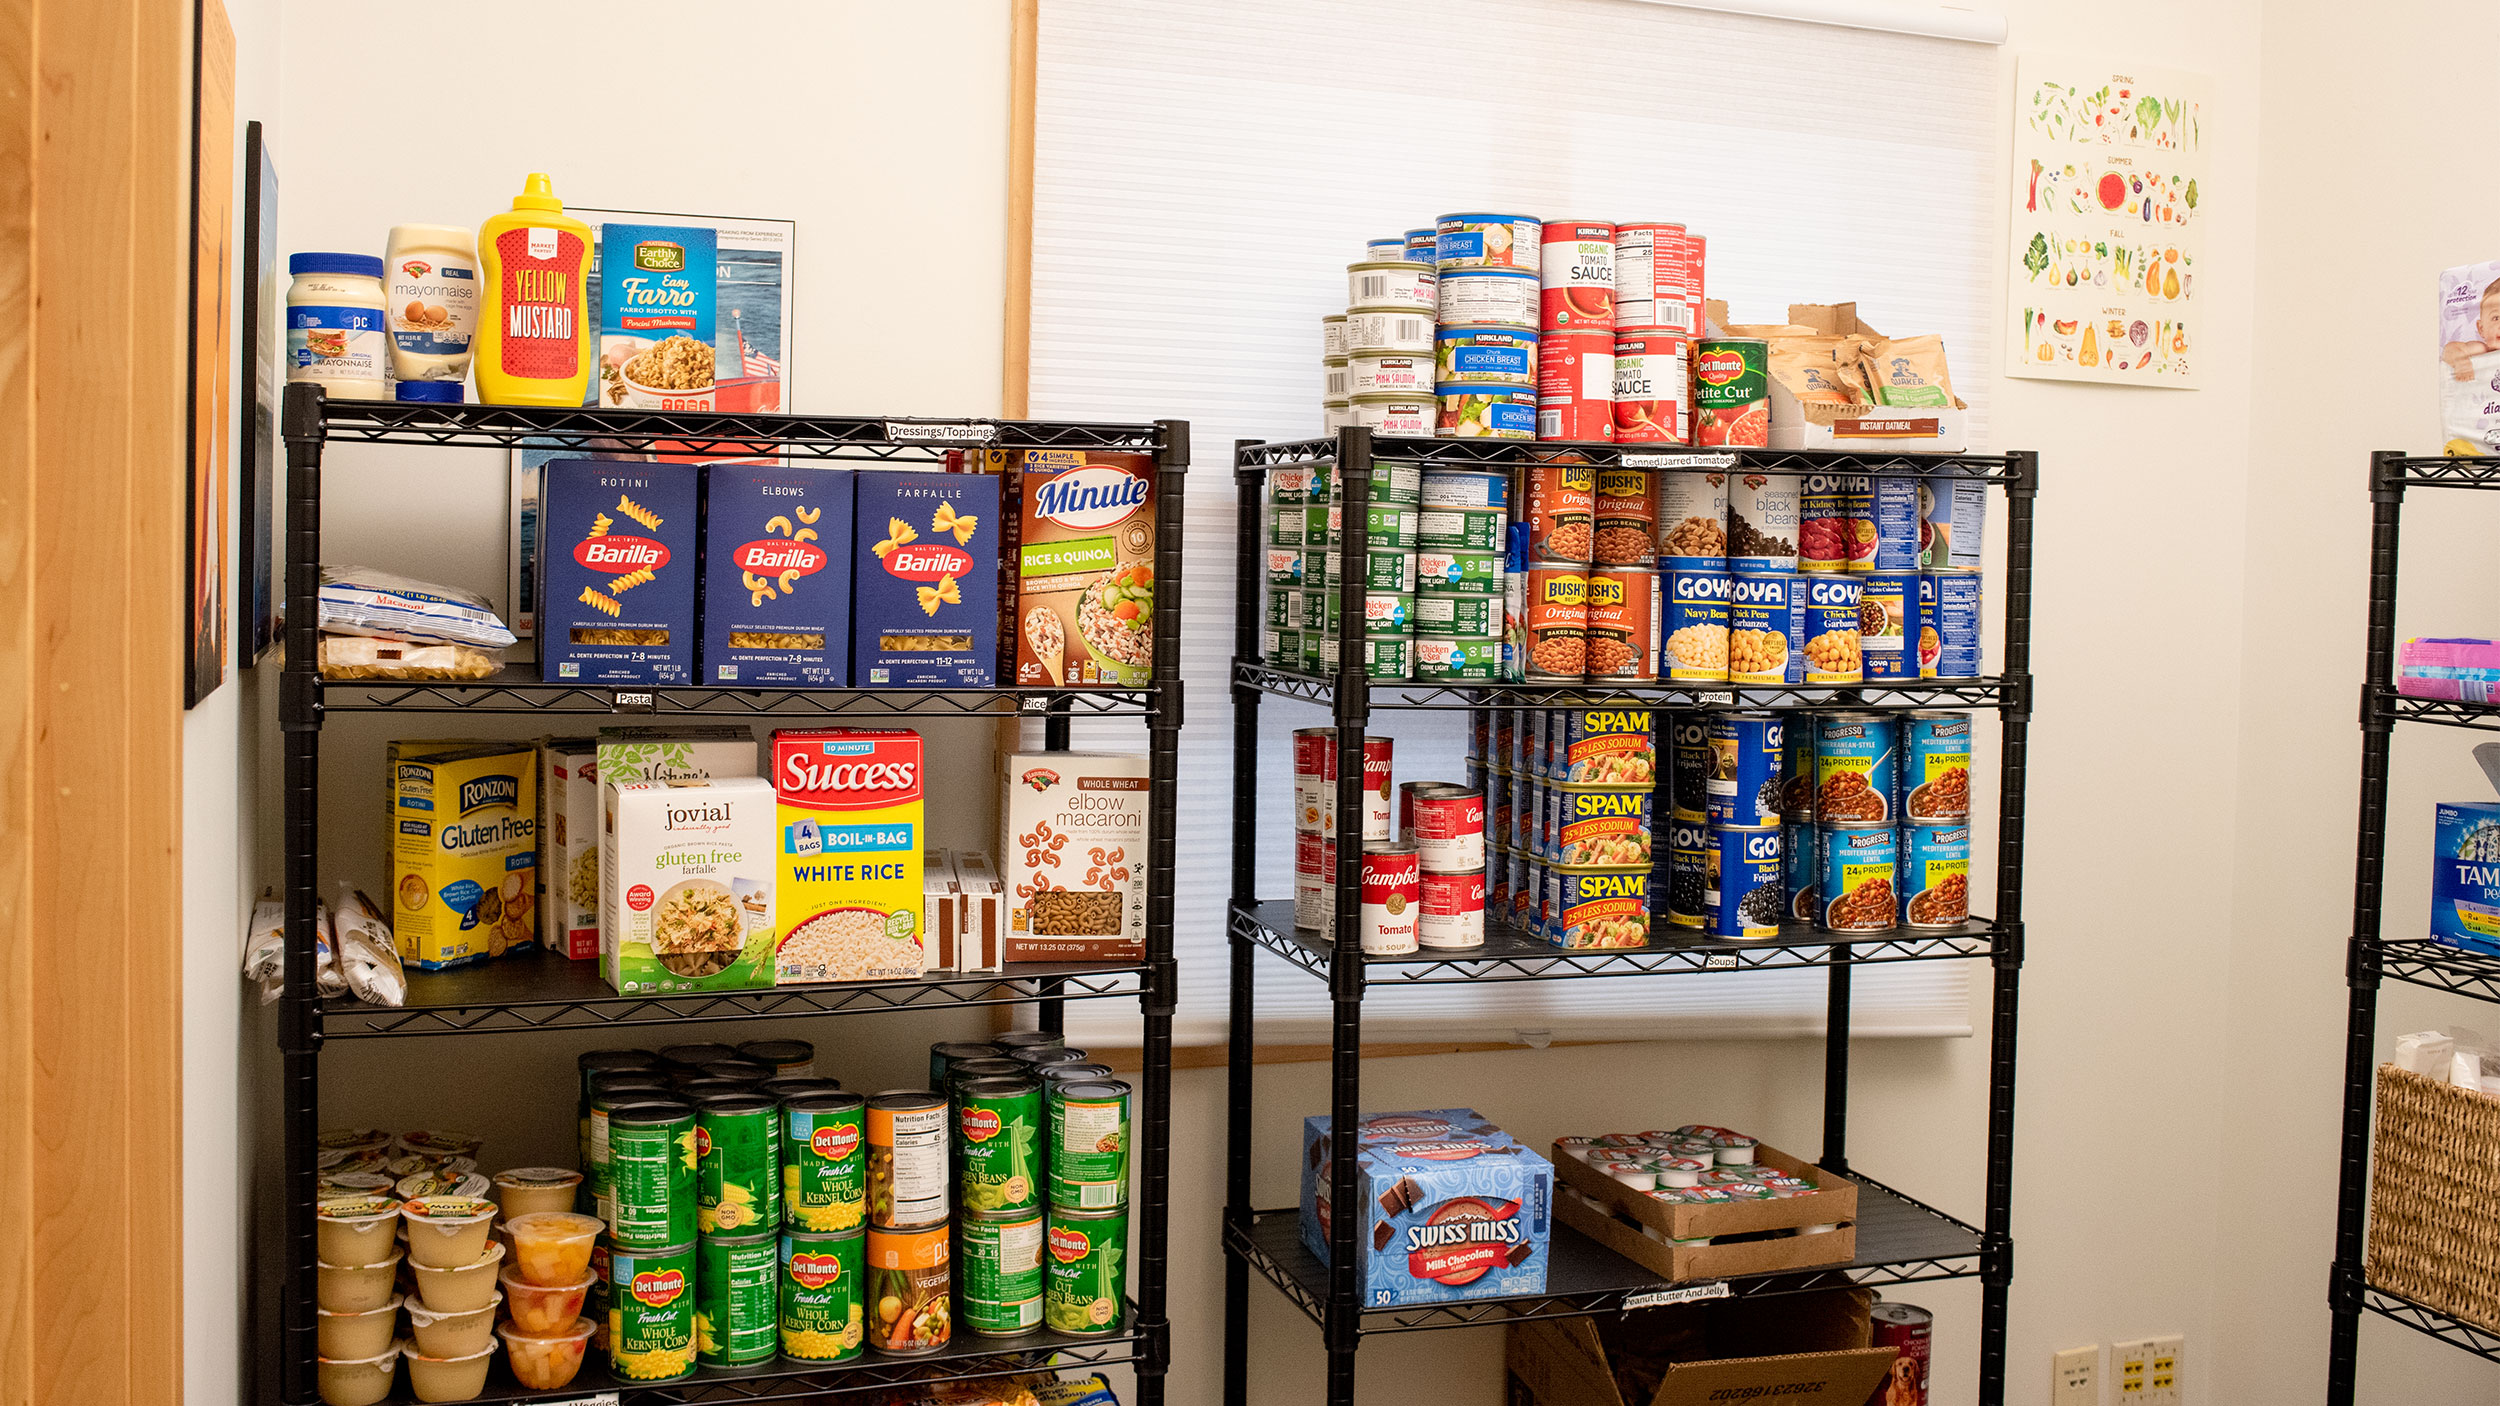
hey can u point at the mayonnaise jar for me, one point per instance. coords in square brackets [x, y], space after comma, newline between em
[334, 325]
[431, 297]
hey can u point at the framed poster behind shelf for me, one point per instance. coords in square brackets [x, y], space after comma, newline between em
[257, 472]
[212, 346]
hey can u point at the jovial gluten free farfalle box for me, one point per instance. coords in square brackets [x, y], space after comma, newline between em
[686, 886]
[2465, 866]
[1461, 1216]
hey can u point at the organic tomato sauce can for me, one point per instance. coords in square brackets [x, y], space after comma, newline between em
[1732, 393]
[1575, 384]
[1578, 267]
[1649, 388]
[1649, 278]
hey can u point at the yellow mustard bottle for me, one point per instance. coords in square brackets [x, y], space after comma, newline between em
[534, 346]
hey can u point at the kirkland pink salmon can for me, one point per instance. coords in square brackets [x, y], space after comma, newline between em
[1454, 904]
[1650, 291]
[1578, 268]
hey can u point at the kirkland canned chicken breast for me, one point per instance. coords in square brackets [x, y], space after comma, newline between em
[1489, 356]
[1473, 411]
[1489, 297]
[1474, 241]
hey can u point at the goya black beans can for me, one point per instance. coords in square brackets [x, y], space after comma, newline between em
[1689, 763]
[1085, 1272]
[1688, 873]
[998, 1153]
[1802, 856]
[823, 1299]
[1749, 892]
[1000, 1281]
[907, 1156]
[651, 1312]
[1089, 1145]
[1747, 752]
[824, 1162]
[737, 1299]
[945, 1053]
[737, 1144]
[1027, 1039]
[1861, 877]
[651, 1175]
[910, 1301]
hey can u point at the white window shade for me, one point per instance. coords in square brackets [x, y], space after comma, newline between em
[1203, 175]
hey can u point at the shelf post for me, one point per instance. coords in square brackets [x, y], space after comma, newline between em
[1996, 1244]
[2348, 1278]
[1249, 487]
[1345, 968]
[299, 1013]
[1161, 992]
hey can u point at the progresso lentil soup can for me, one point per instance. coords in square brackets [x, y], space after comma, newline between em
[824, 1162]
[737, 1299]
[737, 1143]
[651, 1175]
[1000, 1279]
[998, 1152]
[1802, 856]
[1935, 768]
[1089, 1145]
[823, 1298]
[1857, 758]
[651, 1312]
[1860, 879]
[1935, 875]
[1085, 1272]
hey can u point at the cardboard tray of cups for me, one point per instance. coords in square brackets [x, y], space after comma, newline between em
[1618, 1227]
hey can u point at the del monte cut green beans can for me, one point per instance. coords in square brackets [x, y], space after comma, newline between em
[1089, 1138]
[1000, 1281]
[998, 1144]
[1084, 1271]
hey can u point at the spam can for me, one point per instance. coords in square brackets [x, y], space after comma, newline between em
[1948, 636]
[1458, 658]
[651, 1312]
[737, 1296]
[823, 1296]
[1801, 855]
[1860, 875]
[1748, 893]
[1697, 623]
[1893, 527]
[1857, 759]
[1490, 356]
[1746, 757]
[1690, 762]
[1887, 623]
[1603, 826]
[1446, 613]
[1765, 621]
[1085, 1272]
[1459, 572]
[1524, 877]
[1464, 488]
[1598, 908]
[1688, 874]
[1935, 768]
[1797, 771]
[1470, 410]
[1001, 1273]
[1604, 747]
[1831, 629]
[1935, 875]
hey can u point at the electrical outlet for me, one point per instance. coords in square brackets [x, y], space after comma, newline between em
[2075, 1377]
[2130, 1367]
[2162, 1384]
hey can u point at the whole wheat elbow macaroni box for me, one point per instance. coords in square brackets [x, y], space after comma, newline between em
[568, 845]
[851, 830]
[620, 547]
[1073, 837]
[464, 852]
[777, 576]
[686, 893]
[924, 581]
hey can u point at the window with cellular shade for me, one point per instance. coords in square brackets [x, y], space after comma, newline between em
[1203, 176]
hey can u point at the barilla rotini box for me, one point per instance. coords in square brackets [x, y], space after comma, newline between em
[924, 581]
[1443, 1219]
[850, 803]
[1084, 547]
[776, 598]
[657, 288]
[568, 845]
[619, 552]
[464, 852]
[686, 892]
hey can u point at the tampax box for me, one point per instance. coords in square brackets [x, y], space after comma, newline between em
[619, 551]
[850, 813]
[1074, 835]
[658, 285]
[924, 581]
[2465, 866]
[686, 896]
[776, 576]
[1443, 1220]
[568, 845]
[464, 852]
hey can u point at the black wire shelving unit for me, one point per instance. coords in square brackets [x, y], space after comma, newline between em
[2371, 957]
[1900, 1240]
[543, 992]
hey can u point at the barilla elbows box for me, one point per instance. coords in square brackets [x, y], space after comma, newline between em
[851, 819]
[1083, 614]
[924, 581]
[568, 845]
[658, 285]
[776, 597]
[1444, 1220]
[686, 893]
[464, 852]
[620, 547]
[2465, 866]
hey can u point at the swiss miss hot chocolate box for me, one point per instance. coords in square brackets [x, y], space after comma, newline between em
[1463, 1213]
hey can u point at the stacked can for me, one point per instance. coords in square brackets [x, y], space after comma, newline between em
[1745, 881]
[1460, 619]
[1552, 555]
[1653, 329]
[1384, 570]
[1443, 822]
[1944, 627]
[1857, 763]
[1485, 347]
[1576, 325]
[738, 1219]
[1294, 617]
[1084, 1250]
[1315, 818]
[1731, 392]
[999, 1156]
[909, 1249]
[1590, 844]
[1382, 343]
[1336, 402]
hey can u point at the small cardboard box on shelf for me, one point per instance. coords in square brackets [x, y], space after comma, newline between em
[1748, 1237]
[619, 550]
[1804, 1347]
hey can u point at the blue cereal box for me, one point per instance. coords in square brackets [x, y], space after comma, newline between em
[2465, 875]
[776, 596]
[1442, 1219]
[657, 288]
[924, 581]
[621, 550]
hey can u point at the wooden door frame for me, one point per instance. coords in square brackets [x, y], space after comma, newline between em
[95, 122]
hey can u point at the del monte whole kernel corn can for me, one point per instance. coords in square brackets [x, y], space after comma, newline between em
[824, 1162]
[651, 1313]
[823, 1308]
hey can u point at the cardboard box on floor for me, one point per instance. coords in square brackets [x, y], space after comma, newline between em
[1802, 1346]
[1797, 424]
[1835, 1203]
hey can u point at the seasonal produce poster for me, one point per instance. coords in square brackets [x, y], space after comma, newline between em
[2109, 197]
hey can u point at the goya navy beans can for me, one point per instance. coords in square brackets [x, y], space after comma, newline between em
[1650, 290]
[1689, 762]
[1948, 636]
[1598, 908]
[1651, 373]
[1472, 240]
[651, 1312]
[824, 1161]
[1458, 658]
[1085, 1272]
[1748, 894]
[1860, 878]
[1953, 517]
[1002, 1273]
[1893, 514]
[1765, 616]
[1857, 760]
[1392, 899]
[1605, 747]
[1731, 392]
[910, 1308]
[1560, 508]
[1392, 285]
[1829, 511]
[1747, 753]
[1454, 905]
[998, 1145]
[1443, 613]
[1627, 518]
[1696, 624]
[823, 1305]
[1802, 857]
[1389, 373]
[1578, 268]
[737, 1140]
[1489, 297]
[1935, 875]
[1689, 514]
[651, 1180]
[1557, 621]
[1575, 384]
[1445, 823]
[737, 1299]
[1604, 826]
[907, 1146]
[1887, 623]
[1623, 624]
[1089, 1144]
[1762, 522]
[1688, 873]
[1489, 356]
[1473, 411]
[1935, 768]
[1831, 629]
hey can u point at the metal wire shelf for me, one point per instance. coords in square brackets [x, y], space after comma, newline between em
[2482, 1342]
[902, 441]
[1422, 696]
[2426, 963]
[2436, 471]
[517, 692]
[2446, 712]
[1488, 453]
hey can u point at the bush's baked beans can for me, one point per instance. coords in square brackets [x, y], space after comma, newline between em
[1948, 635]
[1731, 392]
[1603, 826]
[1621, 623]
[1909, 1328]
[1801, 855]
[1893, 513]
[1559, 507]
[1598, 908]
[1887, 623]
[1577, 265]
[1762, 522]
[1392, 899]
[1953, 518]
[1688, 873]
[1458, 658]
[1442, 613]
[1831, 628]
[1397, 416]
[1627, 518]
[1689, 762]
[1386, 657]
[1487, 356]
[1576, 386]
[1748, 893]
[1447, 826]
[1489, 297]
[1860, 881]
[1857, 758]
[1935, 768]
[1649, 388]
[1388, 330]
[1831, 517]
[1454, 905]
[1332, 337]
[1392, 285]
[1473, 240]
[1765, 620]
[1650, 291]
[1696, 624]
[1689, 513]
[1382, 373]
[1935, 875]
[1470, 411]
[1747, 753]
[1557, 620]
[1440, 529]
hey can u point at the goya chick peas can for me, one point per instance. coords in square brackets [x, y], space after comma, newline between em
[1765, 639]
[737, 1299]
[910, 1302]
[824, 1162]
[1085, 1272]
[1089, 1144]
[651, 1175]
[1831, 629]
[823, 1299]
[998, 1152]
[1001, 1275]
[907, 1159]
[737, 1141]
[651, 1312]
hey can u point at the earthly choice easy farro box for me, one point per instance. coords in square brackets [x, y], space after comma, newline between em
[619, 551]
[686, 892]
[924, 581]
[776, 584]
[1085, 567]
[657, 288]
[850, 804]
[464, 852]
[1073, 836]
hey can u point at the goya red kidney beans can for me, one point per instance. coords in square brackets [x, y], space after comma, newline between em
[1689, 760]
[1556, 627]
[1857, 768]
[1393, 899]
[1765, 618]
[1560, 508]
[1935, 768]
[1948, 636]
[1650, 291]
[1802, 857]
[1688, 873]
[1575, 385]
[1830, 511]
[1649, 388]
[1623, 628]
[1762, 522]
[1454, 905]
[1935, 875]
[1748, 893]
[1696, 624]
[1578, 268]
[1747, 753]
[1887, 624]
[1860, 878]
[1732, 392]
[1831, 629]
[1489, 356]
[1894, 526]
[1627, 518]
[1911, 1329]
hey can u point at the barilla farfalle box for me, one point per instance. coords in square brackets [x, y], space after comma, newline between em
[2465, 866]
[620, 544]
[1443, 1220]
[776, 579]
[924, 583]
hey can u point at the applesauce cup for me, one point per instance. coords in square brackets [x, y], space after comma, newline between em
[452, 1334]
[357, 1337]
[545, 1361]
[358, 1382]
[437, 1144]
[356, 1229]
[526, 1191]
[355, 1288]
[448, 1378]
[447, 1232]
[553, 1247]
[459, 1290]
[543, 1308]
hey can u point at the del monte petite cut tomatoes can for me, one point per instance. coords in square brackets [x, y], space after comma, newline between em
[1731, 392]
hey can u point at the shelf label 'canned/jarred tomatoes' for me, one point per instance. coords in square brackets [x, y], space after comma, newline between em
[1731, 392]
[534, 345]
[1578, 267]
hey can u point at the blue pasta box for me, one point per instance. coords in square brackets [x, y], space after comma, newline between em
[776, 600]
[658, 285]
[1441, 1219]
[924, 581]
[620, 551]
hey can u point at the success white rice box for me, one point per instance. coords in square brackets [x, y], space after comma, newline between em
[851, 829]
[686, 892]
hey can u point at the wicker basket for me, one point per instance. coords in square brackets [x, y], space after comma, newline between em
[2435, 1196]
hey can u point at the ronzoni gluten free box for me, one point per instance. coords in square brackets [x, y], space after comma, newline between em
[776, 581]
[1073, 832]
[924, 583]
[464, 851]
[686, 896]
[850, 817]
[619, 547]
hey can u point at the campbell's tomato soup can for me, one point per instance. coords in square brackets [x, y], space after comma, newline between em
[1315, 782]
[1732, 393]
[1393, 899]
[1912, 1330]
[1623, 623]
[1578, 267]
[1649, 278]
[1560, 508]
[1454, 905]
[1627, 519]
[1649, 388]
[1575, 385]
[1447, 827]
[1556, 623]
